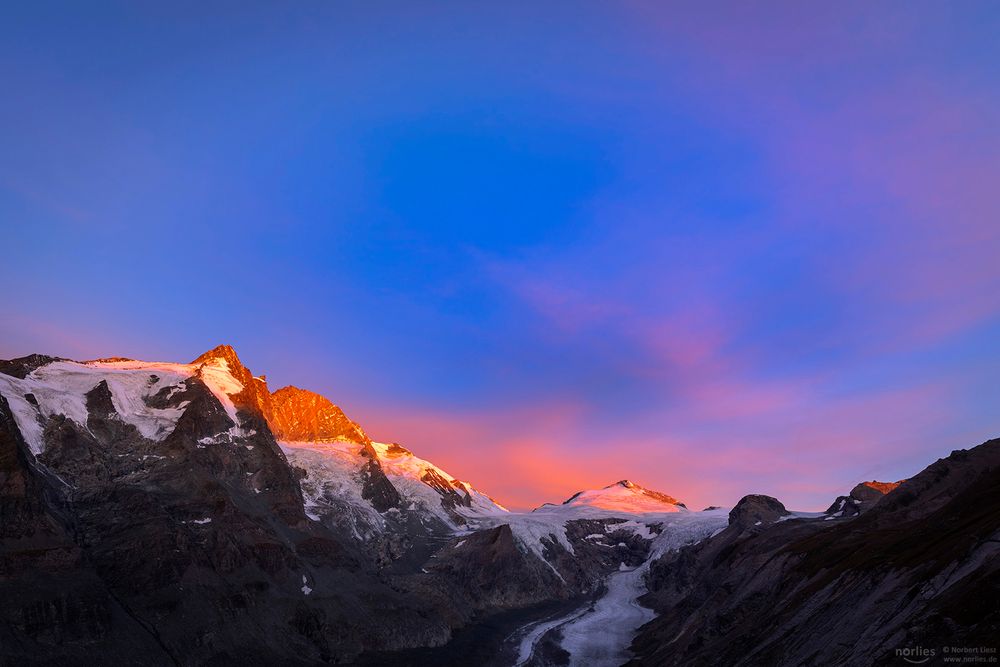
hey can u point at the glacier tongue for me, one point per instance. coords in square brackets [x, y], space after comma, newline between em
[599, 634]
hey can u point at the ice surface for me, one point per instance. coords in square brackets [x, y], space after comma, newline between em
[406, 473]
[333, 472]
[599, 635]
[60, 388]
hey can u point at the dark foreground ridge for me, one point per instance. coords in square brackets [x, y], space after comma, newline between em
[921, 567]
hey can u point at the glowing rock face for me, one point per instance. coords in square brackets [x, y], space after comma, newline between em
[298, 415]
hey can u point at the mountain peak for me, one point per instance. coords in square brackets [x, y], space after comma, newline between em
[300, 415]
[220, 352]
[623, 496]
[252, 393]
[643, 491]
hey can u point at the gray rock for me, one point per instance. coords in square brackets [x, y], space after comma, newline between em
[920, 568]
[755, 510]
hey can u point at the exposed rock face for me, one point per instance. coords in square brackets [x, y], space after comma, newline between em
[149, 516]
[489, 569]
[599, 546]
[756, 510]
[54, 601]
[873, 491]
[304, 416]
[299, 415]
[254, 397]
[844, 506]
[376, 487]
[862, 497]
[191, 548]
[917, 569]
[452, 495]
[20, 368]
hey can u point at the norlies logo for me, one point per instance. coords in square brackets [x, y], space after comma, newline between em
[917, 655]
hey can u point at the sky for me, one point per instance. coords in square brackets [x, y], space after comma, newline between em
[714, 250]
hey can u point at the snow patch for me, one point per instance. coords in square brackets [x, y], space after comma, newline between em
[60, 388]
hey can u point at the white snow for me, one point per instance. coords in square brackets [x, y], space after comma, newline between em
[599, 635]
[220, 381]
[531, 528]
[615, 500]
[333, 474]
[406, 471]
[332, 486]
[305, 587]
[638, 527]
[61, 387]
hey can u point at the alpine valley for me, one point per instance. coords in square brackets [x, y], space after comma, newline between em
[185, 514]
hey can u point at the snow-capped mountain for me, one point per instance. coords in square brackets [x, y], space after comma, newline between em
[427, 486]
[427, 502]
[171, 513]
[148, 396]
[381, 493]
[211, 445]
[620, 498]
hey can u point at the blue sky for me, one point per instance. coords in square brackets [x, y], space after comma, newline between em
[717, 252]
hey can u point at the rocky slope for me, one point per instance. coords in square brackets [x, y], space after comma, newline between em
[861, 498]
[150, 514]
[920, 568]
[162, 513]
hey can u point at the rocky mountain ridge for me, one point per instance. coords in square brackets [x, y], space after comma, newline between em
[919, 567]
[174, 526]
[151, 517]
[163, 513]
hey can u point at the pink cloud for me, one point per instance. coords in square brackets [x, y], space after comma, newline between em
[527, 455]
